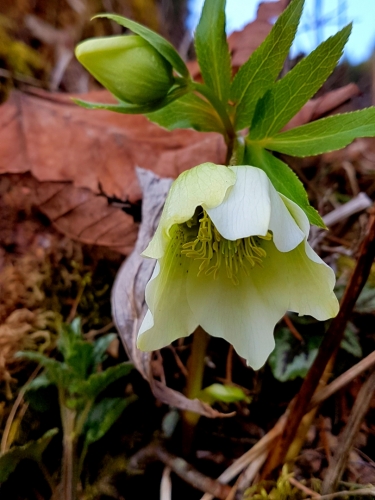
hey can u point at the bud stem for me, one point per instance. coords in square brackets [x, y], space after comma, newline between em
[230, 134]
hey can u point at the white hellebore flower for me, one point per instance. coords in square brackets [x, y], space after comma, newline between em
[232, 256]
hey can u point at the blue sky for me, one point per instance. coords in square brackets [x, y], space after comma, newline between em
[339, 12]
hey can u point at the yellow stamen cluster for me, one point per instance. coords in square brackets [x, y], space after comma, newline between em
[214, 250]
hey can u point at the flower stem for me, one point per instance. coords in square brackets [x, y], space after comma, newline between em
[230, 133]
[194, 385]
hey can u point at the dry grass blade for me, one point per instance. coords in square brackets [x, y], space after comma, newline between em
[346, 440]
[166, 485]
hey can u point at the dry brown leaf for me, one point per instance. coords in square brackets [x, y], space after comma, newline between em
[327, 103]
[243, 43]
[128, 296]
[76, 153]
[56, 140]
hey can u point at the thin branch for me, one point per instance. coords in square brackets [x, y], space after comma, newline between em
[343, 380]
[183, 469]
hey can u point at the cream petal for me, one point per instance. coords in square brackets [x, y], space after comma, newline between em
[169, 316]
[204, 185]
[298, 214]
[246, 209]
[245, 314]
[286, 232]
[306, 283]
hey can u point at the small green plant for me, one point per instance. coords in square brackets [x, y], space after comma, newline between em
[80, 380]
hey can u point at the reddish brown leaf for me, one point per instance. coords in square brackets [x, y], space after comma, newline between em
[56, 140]
[243, 43]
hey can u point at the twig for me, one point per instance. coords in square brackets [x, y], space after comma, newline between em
[346, 440]
[293, 329]
[303, 488]
[328, 347]
[352, 493]
[343, 380]
[183, 469]
[229, 365]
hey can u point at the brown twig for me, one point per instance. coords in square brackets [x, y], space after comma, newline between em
[183, 469]
[303, 488]
[293, 329]
[352, 493]
[343, 380]
[346, 440]
[328, 347]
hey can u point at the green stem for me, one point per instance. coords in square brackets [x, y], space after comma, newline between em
[194, 384]
[230, 133]
[69, 478]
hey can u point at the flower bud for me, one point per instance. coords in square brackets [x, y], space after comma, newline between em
[128, 66]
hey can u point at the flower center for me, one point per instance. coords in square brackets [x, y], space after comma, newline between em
[214, 250]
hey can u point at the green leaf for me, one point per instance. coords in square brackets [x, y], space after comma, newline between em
[289, 94]
[326, 134]
[158, 42]
[258, 74]
[291, 359]
[212, 49]
[223, 394]
[136, 109]
[33, 450]
[103, 415]
[284, 180]
[57, 372]
[100, 348]
[190, 111]
[350, 343]
[97, 382]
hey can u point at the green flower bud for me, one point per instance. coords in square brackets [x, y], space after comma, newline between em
[128, 66]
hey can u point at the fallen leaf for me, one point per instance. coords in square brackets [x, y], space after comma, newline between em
[243, 43]
[50, 136]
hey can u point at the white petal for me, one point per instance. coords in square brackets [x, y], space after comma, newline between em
[246, 209]
[286, 232]
[204, 185]
[306, 283]
[298, 214]
[245, 315]
[169, 316]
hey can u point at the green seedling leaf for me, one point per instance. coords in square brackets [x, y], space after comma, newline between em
[190, 111]
[136, 109]
[97, 382]
[81, 359]
[350, 343]
[100, 348]
[103, 415]
[32, 450]
[258, 74]
[291, 359]
[289, 94]
[57, 372]
[222, 393]
[212, 49]
[326, 134]
[158, 42]
[283, 178]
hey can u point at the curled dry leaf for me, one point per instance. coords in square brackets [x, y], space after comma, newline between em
[128, 295]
